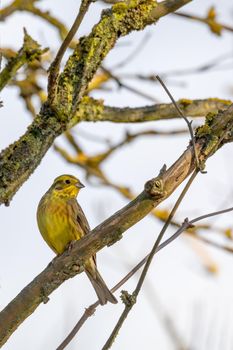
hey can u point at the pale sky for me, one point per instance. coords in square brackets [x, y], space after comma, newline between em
[199, 304]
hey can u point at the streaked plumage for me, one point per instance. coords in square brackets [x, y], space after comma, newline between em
[61, 221]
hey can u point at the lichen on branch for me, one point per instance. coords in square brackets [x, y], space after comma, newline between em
[29, 51]
[81, 66]
[20, 159]
[110, 231]
[15, 166]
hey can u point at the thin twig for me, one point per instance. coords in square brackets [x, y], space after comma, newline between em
[128, 87]
[215, 64]
[91, 309]
[206, 21]
[134, 53]
[91, 136]
[130, 300]
[189, 124]
[204, 67]
[54, 68]
[212, 243]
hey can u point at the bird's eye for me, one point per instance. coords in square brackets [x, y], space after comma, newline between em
[67, 182]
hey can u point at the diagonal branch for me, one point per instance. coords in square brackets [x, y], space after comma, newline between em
[19, 160]
[184, 227]
[218, 130]
[55, 66]
[130, 300]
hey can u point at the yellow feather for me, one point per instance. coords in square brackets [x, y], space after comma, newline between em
[61, 221]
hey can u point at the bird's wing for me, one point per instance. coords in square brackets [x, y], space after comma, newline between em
[81, 220]
[79, 216]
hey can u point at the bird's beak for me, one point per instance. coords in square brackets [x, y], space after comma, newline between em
[79, 185]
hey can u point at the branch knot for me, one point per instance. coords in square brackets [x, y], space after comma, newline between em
[128, 299]
[155, 188]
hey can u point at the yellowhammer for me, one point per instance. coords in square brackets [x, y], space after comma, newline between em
[61, 220]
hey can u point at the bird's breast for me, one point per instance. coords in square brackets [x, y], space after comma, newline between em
[56, 224]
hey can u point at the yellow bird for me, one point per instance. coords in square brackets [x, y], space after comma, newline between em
[61, 220]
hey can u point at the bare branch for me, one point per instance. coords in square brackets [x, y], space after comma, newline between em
[128, 87]
[215, 64]
[210, 20]
[156, 190]
[130, 299]
[205, 67]
[189, 124]
[89, 311]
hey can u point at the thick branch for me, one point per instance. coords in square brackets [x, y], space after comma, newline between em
[55, 66]
[116, 22]
[119, 21]
[218, 131]
[19, 160]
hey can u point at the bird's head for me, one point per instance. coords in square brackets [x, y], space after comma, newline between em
[67, 186]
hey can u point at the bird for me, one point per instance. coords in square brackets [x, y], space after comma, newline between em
[61, 221]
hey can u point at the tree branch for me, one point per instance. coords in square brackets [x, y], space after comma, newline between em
[218, 130]
[28, 6]
[29, 51]
[55, 66]
[130, 299]
[192, 108]
[18, 161]
[210, 20]
[89, 311]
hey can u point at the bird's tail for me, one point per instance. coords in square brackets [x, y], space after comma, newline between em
[103, 293]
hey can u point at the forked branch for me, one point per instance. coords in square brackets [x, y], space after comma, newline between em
[209, 139]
